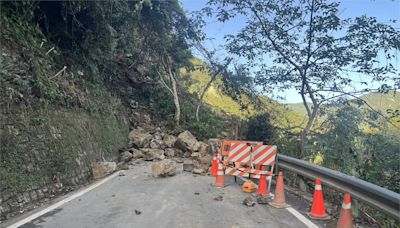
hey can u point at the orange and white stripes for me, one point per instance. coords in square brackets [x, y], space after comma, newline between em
[244, 172]
[260, 155]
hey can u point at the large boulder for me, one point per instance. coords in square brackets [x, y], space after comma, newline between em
[153, 154]
[187, 142]
[169, 140]
[163, 168]
[102, 169]
[207, 159]
[125, 156]
[204, 148]
[139, 137]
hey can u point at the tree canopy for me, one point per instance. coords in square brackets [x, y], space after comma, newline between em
[307, 46]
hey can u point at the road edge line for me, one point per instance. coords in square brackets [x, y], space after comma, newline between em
[62, 202]
[301, 217]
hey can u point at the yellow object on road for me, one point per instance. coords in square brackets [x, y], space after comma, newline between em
[249, 186]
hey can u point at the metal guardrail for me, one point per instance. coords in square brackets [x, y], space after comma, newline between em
[380, 198]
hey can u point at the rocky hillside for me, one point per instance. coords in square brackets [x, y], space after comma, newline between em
[75, 79]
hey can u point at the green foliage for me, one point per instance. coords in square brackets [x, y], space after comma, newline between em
[45, 144]
[346, 147]
[259, 128]
[209, 126]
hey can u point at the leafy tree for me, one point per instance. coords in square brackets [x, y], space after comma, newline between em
[349, 148]
[214, 66]
[168, 31]
[259, 128]
[310, 47]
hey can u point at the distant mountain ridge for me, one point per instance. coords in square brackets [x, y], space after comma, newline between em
[378, 101]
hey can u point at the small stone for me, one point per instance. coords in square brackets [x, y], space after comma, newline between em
[262, 199]
[138, 212]
[40, 194]
[125, 156]
[123, 166]
[249, 201]
[219, 198]
[178, 160]
[33, 195]
[169, 140]
[121, 174]
[197, 171]
[195, 155]
[188, 167]
[197, 193]
[169, 152]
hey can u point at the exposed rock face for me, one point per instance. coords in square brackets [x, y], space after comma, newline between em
[102, 169]
[169, 140]
[139, 137]
[125, 156]
[153, 154]
[187, 142]
[163, 168]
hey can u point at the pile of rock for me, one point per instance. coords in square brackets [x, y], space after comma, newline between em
[165, 150]
[159, 145]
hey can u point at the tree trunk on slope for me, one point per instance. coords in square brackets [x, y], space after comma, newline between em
[176, 102]
[203, 94]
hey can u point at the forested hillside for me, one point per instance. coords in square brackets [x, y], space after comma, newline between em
[75, 77]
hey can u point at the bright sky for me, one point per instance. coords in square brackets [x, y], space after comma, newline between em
[383, 10]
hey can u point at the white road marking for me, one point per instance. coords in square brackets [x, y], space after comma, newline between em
[60, 203]
[301, 217]
[295, 213]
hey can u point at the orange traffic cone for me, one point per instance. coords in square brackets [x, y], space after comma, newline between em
[262, 185]
[219, 178]
[279, 199]
[345, 218]
[318, 207]
[214, 167]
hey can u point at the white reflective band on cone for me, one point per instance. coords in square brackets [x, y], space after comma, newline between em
[318, 187]
[220, 173]
[346, 205]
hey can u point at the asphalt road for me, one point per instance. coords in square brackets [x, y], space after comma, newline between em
[184, 200]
